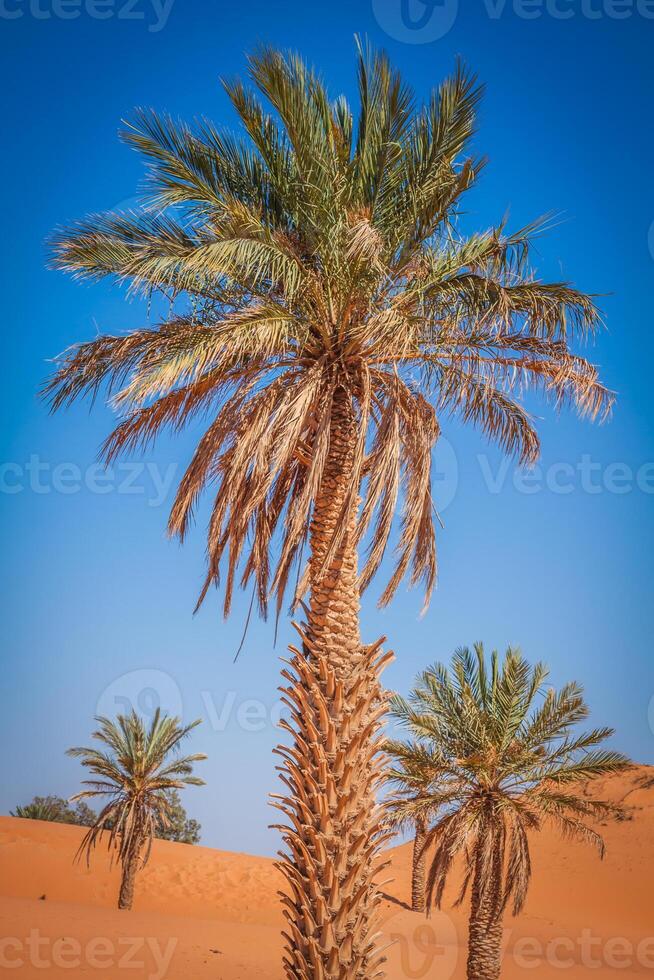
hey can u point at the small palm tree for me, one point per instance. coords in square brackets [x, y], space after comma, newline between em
[414, 775]
[506, 765]
[135, 772]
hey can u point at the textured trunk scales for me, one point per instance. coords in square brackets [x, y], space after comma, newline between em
[485, 933]
[418, 870]
[130, 867]
[331, 769]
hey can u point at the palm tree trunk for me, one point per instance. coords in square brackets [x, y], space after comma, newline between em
[418, 868]
[485, 928]
[331, 770]
[128, 881]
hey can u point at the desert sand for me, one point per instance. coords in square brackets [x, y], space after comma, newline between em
[202, 913]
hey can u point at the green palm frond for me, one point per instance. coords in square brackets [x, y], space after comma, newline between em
[492, 755]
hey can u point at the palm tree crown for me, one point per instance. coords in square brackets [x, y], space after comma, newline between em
[501, 758]
[134, 771]
[316, 270]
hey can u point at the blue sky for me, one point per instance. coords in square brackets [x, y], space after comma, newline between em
[97, 602]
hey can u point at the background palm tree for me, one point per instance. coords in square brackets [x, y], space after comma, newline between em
[36, 810]
[134, 771]
[508, 761]
[323, 311]
[413, 773]
[57, 810]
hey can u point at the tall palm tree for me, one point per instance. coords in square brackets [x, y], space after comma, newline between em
[508, 762]
[325, 311]
[413, 773]
[134, 771]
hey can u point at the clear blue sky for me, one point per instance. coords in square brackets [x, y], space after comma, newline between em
[91, 588]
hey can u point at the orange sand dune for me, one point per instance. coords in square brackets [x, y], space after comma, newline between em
[201, 913]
